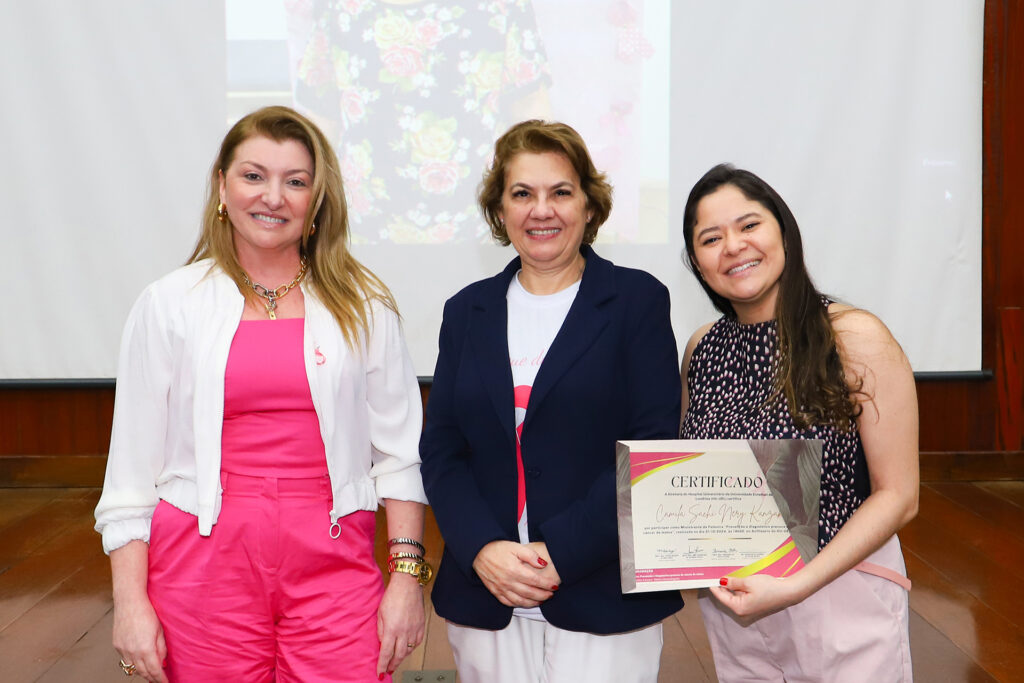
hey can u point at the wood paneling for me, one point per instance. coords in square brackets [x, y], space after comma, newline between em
[1004, 145]
[1003, 247]
[55, 421]
[1010, 374]
[956, 416]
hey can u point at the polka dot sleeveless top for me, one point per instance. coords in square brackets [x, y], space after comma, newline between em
[729, 380]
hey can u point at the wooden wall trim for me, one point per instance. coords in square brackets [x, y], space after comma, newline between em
[972, 466]
[57, 471]
[75, 471]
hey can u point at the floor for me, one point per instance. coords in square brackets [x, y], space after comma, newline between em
[965, 555]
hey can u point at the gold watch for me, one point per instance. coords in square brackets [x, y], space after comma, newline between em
[421, 569]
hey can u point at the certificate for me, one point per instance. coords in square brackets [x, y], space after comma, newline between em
[693, 511]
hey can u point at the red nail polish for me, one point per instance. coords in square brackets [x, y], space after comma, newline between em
[380, 677]
[542, 562]
[554, 588]
[724, 581]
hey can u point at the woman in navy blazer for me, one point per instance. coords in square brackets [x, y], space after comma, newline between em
[530, 573]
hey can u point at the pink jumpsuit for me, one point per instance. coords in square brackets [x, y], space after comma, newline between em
[269, 595]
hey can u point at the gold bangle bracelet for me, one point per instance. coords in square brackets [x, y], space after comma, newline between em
[405, 556]
[420, 569]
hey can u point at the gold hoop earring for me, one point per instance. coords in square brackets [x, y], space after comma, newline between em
[222, 212]
[312, 229]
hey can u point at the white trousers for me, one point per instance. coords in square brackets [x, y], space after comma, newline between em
[532, 651]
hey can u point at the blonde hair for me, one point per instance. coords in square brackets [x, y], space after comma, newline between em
[345, 286]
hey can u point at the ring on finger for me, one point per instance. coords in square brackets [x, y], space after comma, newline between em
[410, 645]
[128, 669]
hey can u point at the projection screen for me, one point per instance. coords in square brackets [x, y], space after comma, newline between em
[865, 116]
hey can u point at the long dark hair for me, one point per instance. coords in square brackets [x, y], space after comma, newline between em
[809, 371]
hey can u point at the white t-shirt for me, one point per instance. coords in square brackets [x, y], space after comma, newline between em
[533, 323]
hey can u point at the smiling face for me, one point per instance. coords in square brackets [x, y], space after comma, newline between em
[545, 211]
[739, 253]
[266, 191]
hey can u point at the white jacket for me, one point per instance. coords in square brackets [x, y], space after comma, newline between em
[169, 406]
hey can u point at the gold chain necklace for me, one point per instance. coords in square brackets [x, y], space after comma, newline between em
[272, 295]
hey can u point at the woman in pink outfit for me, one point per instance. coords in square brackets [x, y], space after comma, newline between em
[266, 404]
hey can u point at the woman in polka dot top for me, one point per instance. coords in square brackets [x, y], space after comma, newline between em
[784, 362]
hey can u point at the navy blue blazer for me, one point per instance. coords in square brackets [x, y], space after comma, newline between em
[610, 374]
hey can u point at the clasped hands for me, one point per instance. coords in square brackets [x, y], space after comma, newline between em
[519, 575]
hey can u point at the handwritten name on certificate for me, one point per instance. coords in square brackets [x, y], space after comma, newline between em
[693, 511]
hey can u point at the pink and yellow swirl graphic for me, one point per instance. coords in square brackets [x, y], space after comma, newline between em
[643, 465]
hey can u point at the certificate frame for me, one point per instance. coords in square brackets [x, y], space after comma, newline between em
[692, 511]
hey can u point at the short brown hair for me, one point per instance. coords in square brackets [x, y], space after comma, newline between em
[536, 137]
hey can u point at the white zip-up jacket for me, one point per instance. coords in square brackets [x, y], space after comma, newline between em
[169, 405]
